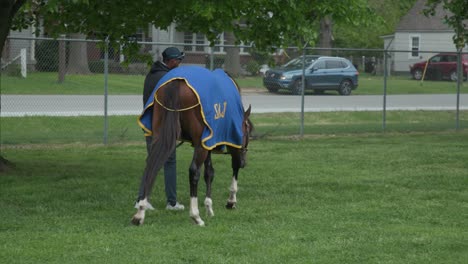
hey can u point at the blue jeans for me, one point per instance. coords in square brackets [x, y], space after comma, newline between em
[170, 176]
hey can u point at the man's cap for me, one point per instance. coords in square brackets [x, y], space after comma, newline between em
[172, 53]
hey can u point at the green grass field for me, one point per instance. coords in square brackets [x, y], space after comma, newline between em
[124, 129]
[46, 83]
[386, 198]
[344, 193]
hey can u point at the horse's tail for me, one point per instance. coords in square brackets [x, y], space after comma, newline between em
[164, 143]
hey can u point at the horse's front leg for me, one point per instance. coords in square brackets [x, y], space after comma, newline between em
[236, 165]
[199, 157]
[232, 201]
[209, 176]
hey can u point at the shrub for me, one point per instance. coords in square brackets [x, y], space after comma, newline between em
[98, 67]
[252, 67]
[47, 56]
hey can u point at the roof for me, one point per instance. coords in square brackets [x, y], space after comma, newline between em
[415, 20]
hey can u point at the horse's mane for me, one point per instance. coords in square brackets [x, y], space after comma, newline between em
[234, 80]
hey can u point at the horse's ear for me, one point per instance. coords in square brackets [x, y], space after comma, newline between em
[247, 113]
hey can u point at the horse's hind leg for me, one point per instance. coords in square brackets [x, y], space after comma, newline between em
[199, 157]
[142, 206]
[142, 203]
[209, 176]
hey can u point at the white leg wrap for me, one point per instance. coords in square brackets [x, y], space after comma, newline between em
[209, 206]
[144, 204]
[233, 191]
[194, 212]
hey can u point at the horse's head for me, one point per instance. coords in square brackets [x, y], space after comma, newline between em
[247, 128]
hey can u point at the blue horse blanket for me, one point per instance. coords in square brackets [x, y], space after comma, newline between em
[220, 101]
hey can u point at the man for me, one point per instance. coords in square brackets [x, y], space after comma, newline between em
[171, 59]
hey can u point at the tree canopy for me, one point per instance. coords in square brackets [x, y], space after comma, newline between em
[266, 23]
[457, 18]
[387, 15]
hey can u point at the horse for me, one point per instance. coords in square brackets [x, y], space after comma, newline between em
[179, 115]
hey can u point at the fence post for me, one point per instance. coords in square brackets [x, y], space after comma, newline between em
[62, 59]
[303, 89]
[24, 63]
[459, 80]
[106, 76]
[384, 110]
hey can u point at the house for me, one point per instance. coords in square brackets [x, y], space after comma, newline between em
[13, 47]
[195, 45]
[417, 37]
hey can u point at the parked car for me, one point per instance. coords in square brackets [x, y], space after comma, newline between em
[321, 73]
[440, 66]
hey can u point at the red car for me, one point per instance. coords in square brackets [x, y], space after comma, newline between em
[440, 66]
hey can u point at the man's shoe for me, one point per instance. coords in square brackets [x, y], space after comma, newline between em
[176, 207]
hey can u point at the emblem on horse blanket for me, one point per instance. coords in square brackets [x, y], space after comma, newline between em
[220, 101]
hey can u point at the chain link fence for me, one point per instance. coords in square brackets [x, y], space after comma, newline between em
[65, 90]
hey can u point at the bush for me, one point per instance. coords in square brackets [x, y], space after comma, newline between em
[261, 57]
[98, 67]
[13, 70]
[47, 56]
[252, 67]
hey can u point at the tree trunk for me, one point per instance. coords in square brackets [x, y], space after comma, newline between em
[232, 61]
[78, 57]
[62, 50]
[325, 39]
[8, 10]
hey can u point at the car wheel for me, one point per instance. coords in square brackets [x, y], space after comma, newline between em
[417, 74]
[297, 87]
[453, 76]
[345, 87]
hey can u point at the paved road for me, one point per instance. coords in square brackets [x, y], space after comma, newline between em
[72, 105]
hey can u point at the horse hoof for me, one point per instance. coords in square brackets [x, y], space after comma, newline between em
[137, 221]
[230, 205]
[198, 222]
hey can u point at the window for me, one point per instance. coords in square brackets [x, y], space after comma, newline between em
[319, 65]
[194, 41]
[199, 40]
[451, 58]
[334, 64]
[218, 43]
[435, 59]
[414, 45]
[188, 38]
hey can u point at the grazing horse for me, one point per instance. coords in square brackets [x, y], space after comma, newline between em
[203, 107]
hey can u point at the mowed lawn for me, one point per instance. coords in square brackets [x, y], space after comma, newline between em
[366, 198]
[46, 83]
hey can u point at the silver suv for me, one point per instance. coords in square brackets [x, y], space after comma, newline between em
[321, 73]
